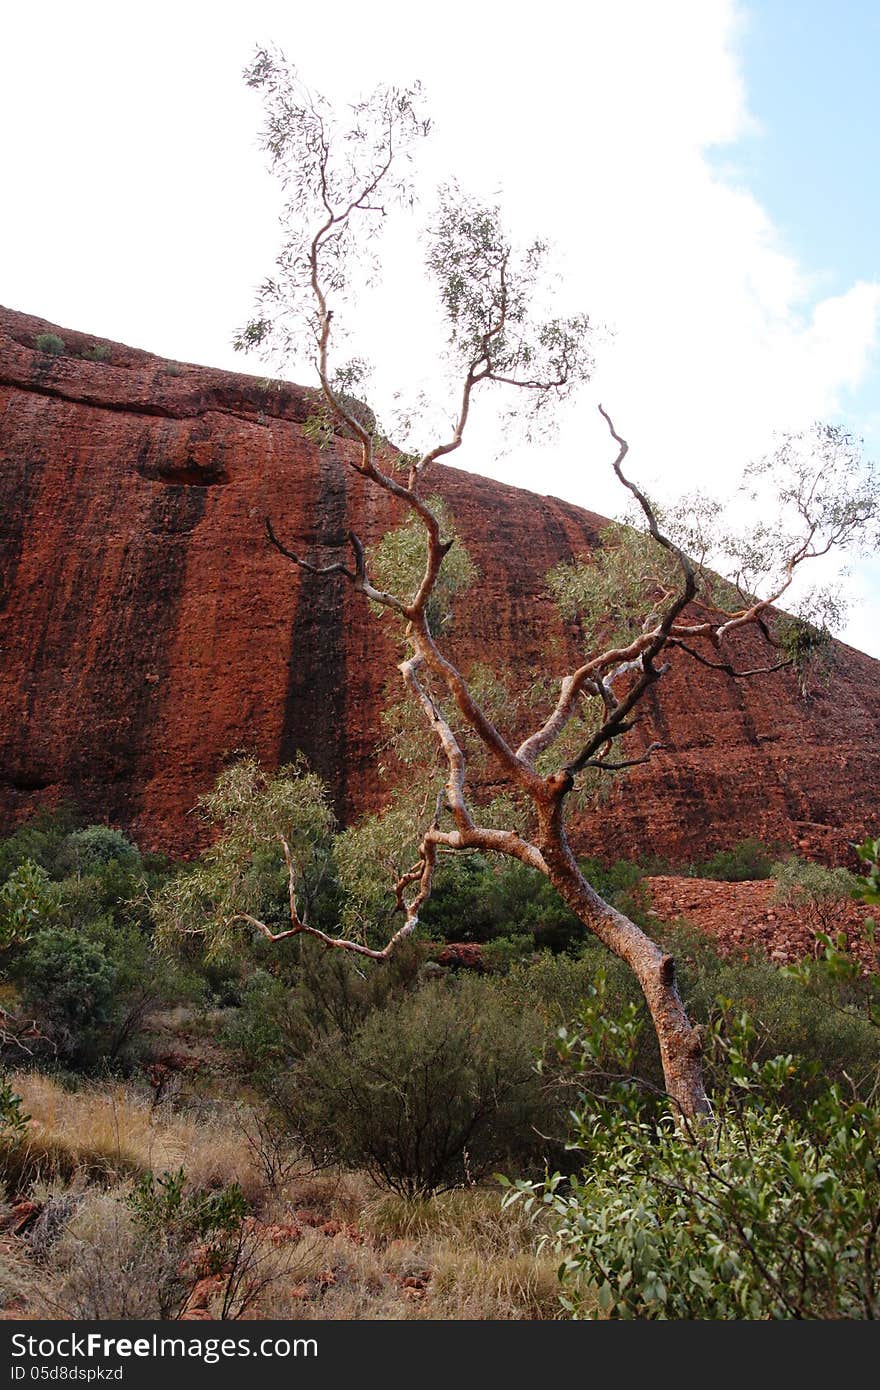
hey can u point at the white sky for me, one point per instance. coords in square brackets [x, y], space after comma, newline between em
[137, 208]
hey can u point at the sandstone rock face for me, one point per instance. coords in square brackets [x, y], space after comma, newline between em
[148, 630]
[746, 919]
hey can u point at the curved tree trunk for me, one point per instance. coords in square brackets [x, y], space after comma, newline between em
[680, 1042]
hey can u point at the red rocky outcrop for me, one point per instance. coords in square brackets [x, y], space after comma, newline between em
[745, 918]
[148, 630]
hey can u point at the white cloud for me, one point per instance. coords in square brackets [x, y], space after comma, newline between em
[137, 205]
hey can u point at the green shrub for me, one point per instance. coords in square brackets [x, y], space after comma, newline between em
[750, 859]
[39, 839]
[50, 343]
[202, 1230]
[98, 352]
[480, 899]
[825, 1024]
[503, 952]
[816, 892]
[757, 1215]
[68, 983]
[867, 888]
[315, 993]
[29, 902]
[432, 1091]
[12, 1117]
[91, 850]
[170, 1200]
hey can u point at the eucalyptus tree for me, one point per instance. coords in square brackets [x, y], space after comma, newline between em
[635, 597]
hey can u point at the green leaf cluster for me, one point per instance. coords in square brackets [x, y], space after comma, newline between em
[756, 1214]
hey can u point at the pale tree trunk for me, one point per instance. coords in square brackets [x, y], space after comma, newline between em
[679, 1041]
[487, 292]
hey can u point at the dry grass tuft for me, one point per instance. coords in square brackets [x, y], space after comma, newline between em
[516, 1287]
[109, 1131]
[324, 1245]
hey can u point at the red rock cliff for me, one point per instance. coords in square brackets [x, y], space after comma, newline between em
[148, 630]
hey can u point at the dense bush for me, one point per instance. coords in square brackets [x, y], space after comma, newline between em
[77, 941]
[68, 983]
[312, 993]
[484, 900]
[747, 860]
[50, 343]
[759, 1214]
[90, 850]
[824, 1021]
[39, 839]
[432, 1091]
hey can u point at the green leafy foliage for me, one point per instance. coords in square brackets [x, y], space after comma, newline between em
[244, 873]
[430, 1092]
[812, 888]
[313, 994]
[158, 1202]
[40, 839]
[325, 159]
[476, 898]
[50, 343]
[198, 1232]
[91, 850]
[758, 1214]
[29, 901]
[77, 940]
[322, 425]
[371, 856]
[69, 983]
[619, 589]
[867, 887]
[397, 562]
[13, 1118]
[488, 291]
[823, 1018]
[749, 859]
[834, 971]
[809, 649]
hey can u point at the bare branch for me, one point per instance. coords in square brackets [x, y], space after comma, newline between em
[726, 666]
[605, 765]
[451, 747]
[336, 568]
[640, 654]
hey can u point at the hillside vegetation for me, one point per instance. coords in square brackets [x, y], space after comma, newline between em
[245, 1129]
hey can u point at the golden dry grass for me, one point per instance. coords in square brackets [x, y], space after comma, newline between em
[345, 1249]
[107, 1128]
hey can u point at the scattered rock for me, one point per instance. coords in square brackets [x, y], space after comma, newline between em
[739, 917]
[462, 955]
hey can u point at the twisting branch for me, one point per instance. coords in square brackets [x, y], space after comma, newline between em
[357, 576]
[605, 765]
[725, 666]
[421, 874]
[639, 656]
[336, 568]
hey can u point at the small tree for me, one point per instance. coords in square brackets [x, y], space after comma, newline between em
[635, 598]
